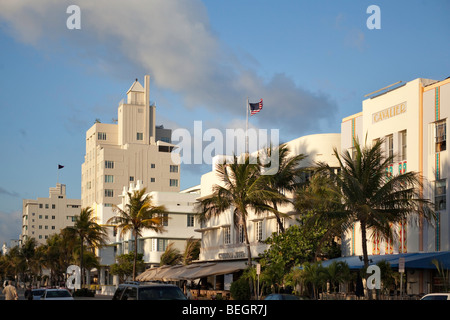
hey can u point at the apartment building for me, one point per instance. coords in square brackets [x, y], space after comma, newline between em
[46, 216]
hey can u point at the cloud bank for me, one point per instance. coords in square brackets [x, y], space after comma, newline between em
[174, 41]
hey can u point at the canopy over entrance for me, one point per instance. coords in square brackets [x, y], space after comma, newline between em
[418, 260]
[192, 271]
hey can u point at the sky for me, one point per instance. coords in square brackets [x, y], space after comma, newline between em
[311, 62]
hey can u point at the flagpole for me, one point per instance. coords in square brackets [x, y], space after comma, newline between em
[246, 130]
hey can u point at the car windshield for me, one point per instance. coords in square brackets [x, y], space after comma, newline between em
[161, 293]
[38, 292]
[435, 297]
[57, 294]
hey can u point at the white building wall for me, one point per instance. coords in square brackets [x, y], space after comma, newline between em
[318, 147]
[179, 206]
[404, 108]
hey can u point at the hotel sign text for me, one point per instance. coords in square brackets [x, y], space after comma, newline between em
[389, 112]
[232, 255]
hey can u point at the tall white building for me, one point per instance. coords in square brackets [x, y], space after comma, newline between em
[45, 216]
[131, 150]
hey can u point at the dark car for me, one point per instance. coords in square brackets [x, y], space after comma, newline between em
[152, 291]
[37, 293]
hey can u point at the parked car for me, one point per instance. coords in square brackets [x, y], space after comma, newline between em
[56, 294]
[282, 296]
[436, 296]
[37, 293]
[152, 291]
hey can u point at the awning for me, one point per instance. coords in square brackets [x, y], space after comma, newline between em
[418, 260]
[192, 271]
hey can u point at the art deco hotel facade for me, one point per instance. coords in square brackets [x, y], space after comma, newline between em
[411, 117]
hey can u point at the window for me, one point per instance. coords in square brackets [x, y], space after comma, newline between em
[162, 244]
[53, 206]
[173, 168]
[109, 178]
[152, 165]
[109, 193]
[152, 179]
[174, 182]
[109, 164]
[240, 234]
[403, 145]
[440, 191]
[441, 136]
[226, 235]
[165, 219]
[140, 136]
[259, 231]
[101, 135]
[131, 178]
[190, 220]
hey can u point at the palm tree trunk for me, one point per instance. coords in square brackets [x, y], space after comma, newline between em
[280, 223]
[364, 243]
[135, 255]
[81, 263]
[364, 248]
[247, 243]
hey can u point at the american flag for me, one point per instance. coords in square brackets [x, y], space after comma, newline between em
[256, 107]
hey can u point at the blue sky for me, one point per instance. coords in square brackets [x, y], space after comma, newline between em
[311, 61]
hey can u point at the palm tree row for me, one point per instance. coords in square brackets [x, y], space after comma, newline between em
[59, 251]
[359, 191]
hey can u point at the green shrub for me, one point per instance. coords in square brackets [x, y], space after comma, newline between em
[240, 289]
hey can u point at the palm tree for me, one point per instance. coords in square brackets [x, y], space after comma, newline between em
[88, 231]
[372, 198]
[171, 256]
[191, 251]
[138, 214]
[285, 180]
[242, 189]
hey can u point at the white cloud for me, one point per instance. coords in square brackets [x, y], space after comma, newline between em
[173, 41]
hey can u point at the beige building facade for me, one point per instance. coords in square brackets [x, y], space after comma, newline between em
[123, 153]
[46, 216]
[412, 118]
